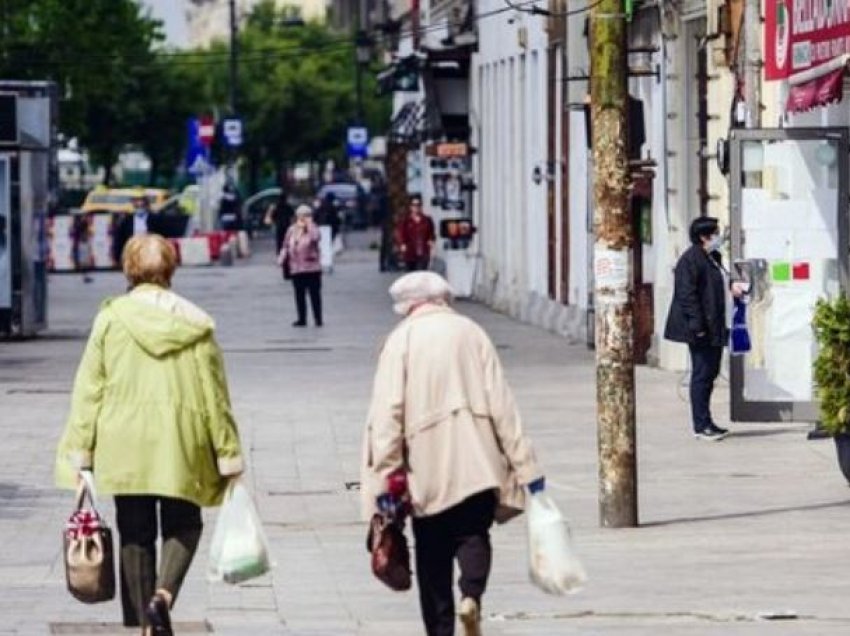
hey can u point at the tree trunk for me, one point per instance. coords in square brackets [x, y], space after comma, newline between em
[612, 269]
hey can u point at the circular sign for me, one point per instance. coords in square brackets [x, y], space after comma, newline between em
[206, 131]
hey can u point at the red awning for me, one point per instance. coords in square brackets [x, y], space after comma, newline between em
[816, 92]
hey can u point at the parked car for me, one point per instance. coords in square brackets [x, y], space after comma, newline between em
[121, 199]
[351, 200]
[254, 208]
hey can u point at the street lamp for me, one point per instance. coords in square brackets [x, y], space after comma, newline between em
[363, 55]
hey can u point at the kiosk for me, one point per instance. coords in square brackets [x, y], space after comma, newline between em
[789, 220]
[28, 183]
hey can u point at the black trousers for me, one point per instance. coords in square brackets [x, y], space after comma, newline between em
[705, 367]
[420, 264]
[308, 283]
[463, 533]
[180, 525]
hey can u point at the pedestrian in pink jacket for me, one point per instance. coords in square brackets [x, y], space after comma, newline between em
[301, 255]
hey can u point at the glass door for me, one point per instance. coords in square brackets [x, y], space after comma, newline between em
[789, 241]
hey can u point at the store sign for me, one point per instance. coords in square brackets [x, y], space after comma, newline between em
[820, 91]
[803, 34]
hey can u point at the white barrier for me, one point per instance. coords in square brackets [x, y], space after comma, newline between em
[62, 244]
[195, 251]
[244, 244]
[326, 249]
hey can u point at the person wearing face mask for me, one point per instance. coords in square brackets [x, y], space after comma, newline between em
[698, 318]
[301, 254]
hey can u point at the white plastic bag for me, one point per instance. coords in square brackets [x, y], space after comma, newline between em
[552, 563]
[239, 549]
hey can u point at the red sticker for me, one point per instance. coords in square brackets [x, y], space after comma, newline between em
[800, 271]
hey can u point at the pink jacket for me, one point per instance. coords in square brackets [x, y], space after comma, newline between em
[302, 249]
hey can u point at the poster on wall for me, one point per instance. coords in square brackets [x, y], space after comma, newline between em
[5, 237]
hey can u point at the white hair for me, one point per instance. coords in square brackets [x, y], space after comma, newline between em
[417, 288]
[303, 210]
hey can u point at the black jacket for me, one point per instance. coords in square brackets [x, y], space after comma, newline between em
[123, 232]
[699, 301]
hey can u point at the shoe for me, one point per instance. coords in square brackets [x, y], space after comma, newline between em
[709, 434]
[158, 617]
[470, 617]
[299, 323]
[320, 324]
[719, 429]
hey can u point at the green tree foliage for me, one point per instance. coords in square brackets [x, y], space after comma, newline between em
[296, 89]
[94, 50]
[831, 323]
[120, 88]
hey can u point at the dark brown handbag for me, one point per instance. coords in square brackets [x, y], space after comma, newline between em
[390, 554]
[87, 550]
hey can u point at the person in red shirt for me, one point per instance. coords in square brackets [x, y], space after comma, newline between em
[416, 236]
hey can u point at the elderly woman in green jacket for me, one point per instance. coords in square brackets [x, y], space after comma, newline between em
[151, 416]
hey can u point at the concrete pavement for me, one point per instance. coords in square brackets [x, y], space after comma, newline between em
[733, 533]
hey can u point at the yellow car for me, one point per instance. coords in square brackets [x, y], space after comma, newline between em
[121, 199]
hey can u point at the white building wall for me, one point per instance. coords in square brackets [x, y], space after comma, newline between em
[672, 218]
[510, 130]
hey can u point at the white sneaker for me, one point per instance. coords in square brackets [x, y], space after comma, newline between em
[470, 617]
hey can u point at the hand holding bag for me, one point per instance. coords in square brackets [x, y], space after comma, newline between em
[239, 549]
[553, 564]
[390, 554]
[87, 549]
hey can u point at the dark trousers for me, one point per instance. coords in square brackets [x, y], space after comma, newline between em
[463, 533]
[420, 264]
[705, 367]
[308, 283]
[136, 517]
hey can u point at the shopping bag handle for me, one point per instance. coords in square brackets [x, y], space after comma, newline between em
[86, 488]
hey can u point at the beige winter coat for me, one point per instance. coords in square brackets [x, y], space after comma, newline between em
[441, 408]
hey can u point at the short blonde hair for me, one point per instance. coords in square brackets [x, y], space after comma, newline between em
[418, 288]
[149, 258]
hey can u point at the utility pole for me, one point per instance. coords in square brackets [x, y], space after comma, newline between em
[615, 380]
[234, 58]
[752, 62]
[358, 62]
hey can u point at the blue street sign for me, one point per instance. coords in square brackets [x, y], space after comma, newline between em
[232, 130]
[197, 161]
[357, 142]
[197, 154]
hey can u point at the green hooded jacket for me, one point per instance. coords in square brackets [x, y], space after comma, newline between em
[150, 410]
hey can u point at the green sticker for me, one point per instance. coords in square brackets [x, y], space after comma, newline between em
[781, 272]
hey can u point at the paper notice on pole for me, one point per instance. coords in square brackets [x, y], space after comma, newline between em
[611, 270]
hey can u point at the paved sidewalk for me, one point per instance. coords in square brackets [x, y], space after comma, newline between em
[732, 532]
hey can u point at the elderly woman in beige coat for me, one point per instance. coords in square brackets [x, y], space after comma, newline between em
[442, 411]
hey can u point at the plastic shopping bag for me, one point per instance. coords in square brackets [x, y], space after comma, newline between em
[239, 549]
[553, 564]
[739, 337]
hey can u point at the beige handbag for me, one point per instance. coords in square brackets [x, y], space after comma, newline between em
[87, 549]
